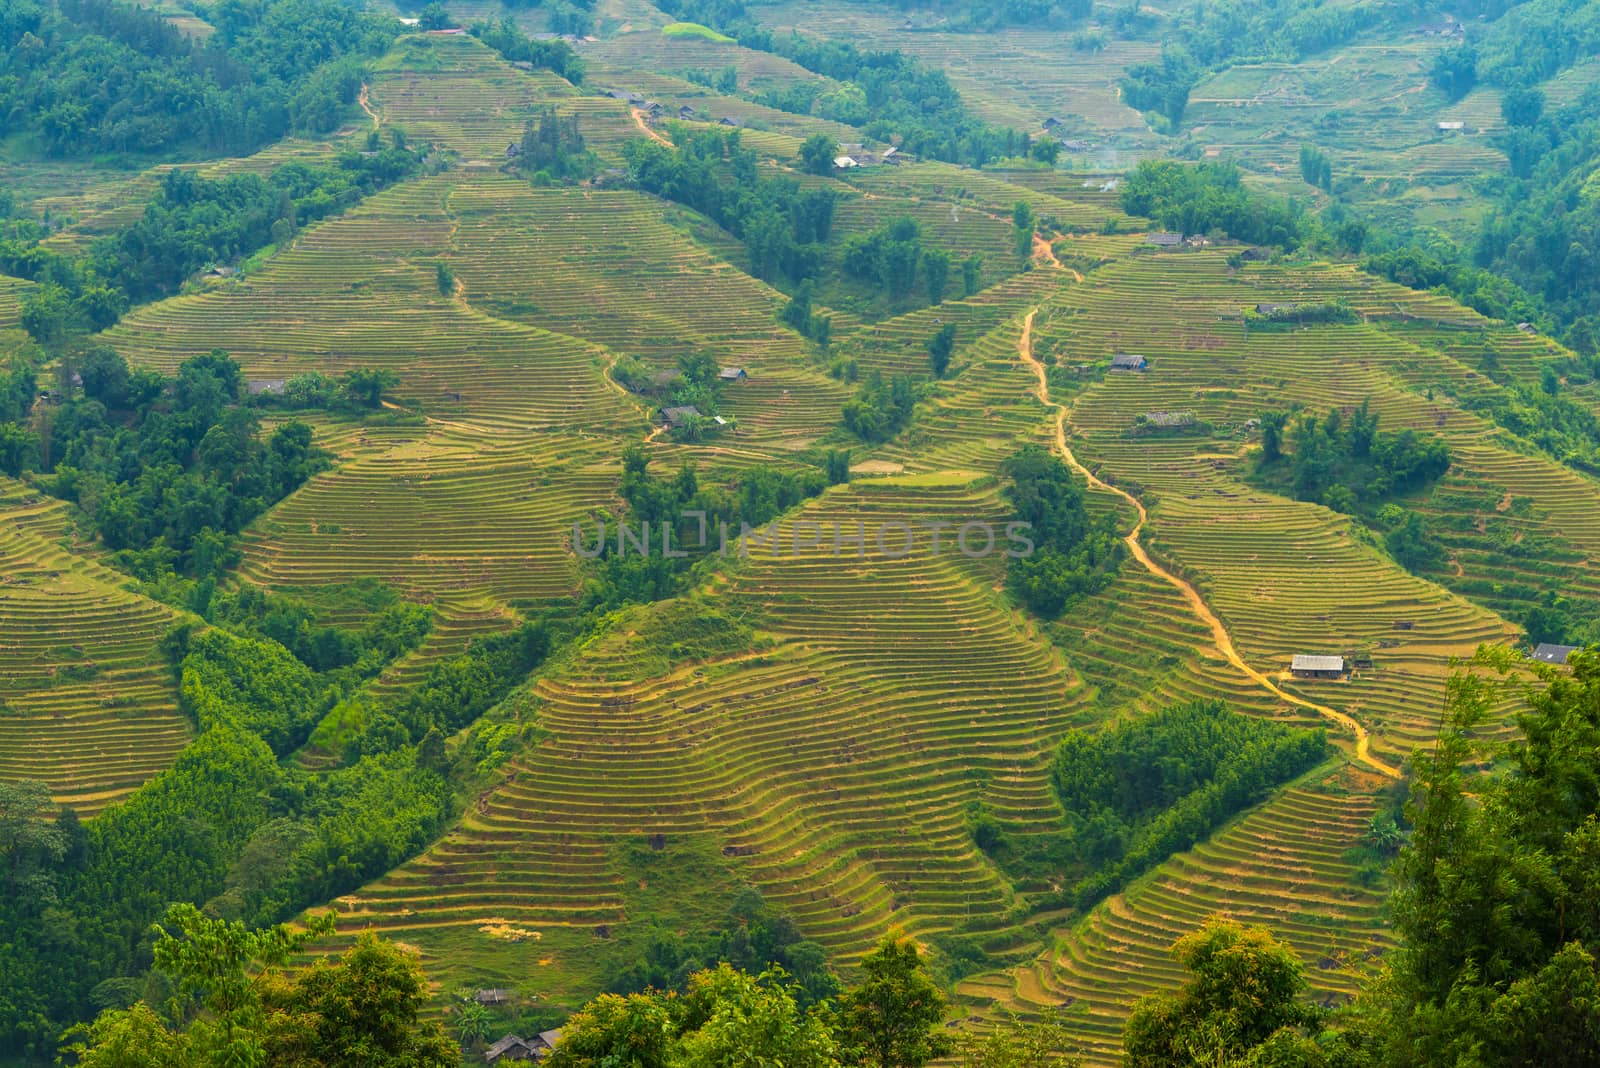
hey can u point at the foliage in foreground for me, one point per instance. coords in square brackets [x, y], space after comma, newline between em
[237, 1005]
[1496, 904]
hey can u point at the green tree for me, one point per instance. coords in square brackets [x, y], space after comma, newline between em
[732, 1018]
[895, 1017]
[972, 274]
[817, 154]
[19, 449]
[1243, 988]
[1022, 219]
[435, 17]
[936, 272]
[238, 1006]
[366, 386]
[940, 348]
[1047, 150]
[445, 278]
[1497, 894]
[838, 466]
[30, 845]
[1272, 424]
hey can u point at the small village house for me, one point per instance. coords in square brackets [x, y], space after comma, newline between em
[1308, 666]
[1129, 361]
[1550, 653]
[1164, 240]
[678, 417]
[733, 374]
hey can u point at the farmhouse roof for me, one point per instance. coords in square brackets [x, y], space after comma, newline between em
[1454, 124]
[551, 1037]
[1273, 309]
[1527, 328]
[1128, 361]
[845, 162]
[1076, 145]
[1051, 123]
[732, 374]
[1308, 662]
[509, 1046]
[1550, 653]
[1165, 240]
[492, 996]
[686, 112]
[522, 64]
[1170, 419]
[680, 415]
[257, 386]
[725, 121]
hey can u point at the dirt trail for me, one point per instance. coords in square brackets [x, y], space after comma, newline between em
[1044, 255]
[366, 105]
[1219, 633]
[649, 131]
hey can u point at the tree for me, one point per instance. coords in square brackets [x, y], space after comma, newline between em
[105, 376]
[817, 154]
[1047, 150]
[1023, 220]
[936, 272]
[1455, 70]
[435, 17]
[365, 385]
[445, 278]
[1243, 988]
[47, 314]
[239, 1006]
[940, 347]
[838, 466]
[30, 846]
[733, 1018]
[359, 1010]
[972, 273]
[895, 1017]
[1497, 894]
[19, 449]
[1522, 106]
[1272, 424]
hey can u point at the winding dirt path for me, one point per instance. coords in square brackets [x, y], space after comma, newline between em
[365, 100]
[1219, 633]
[647, 129]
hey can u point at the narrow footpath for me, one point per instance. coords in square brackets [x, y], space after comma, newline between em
[1219, 633]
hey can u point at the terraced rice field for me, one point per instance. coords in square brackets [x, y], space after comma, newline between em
[831, 768]
[831, 760]
[12, 293]
[87, 701]
[459, 94]
[1281, 866]
[360, 291]
[447, 516]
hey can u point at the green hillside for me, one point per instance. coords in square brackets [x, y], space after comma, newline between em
[388, 687]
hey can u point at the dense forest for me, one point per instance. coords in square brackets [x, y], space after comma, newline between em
[90, 76]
